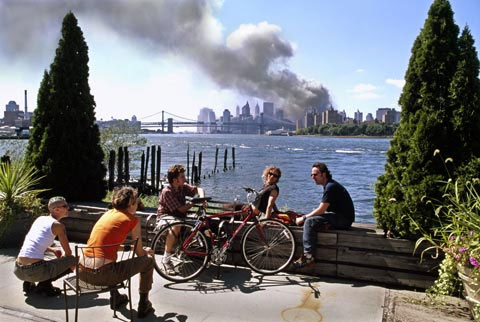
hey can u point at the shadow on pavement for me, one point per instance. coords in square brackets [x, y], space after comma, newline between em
[243, 280]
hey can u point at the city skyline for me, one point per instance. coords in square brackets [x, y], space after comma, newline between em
[358, 51]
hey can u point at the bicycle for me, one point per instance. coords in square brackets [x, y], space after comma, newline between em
[267, 245]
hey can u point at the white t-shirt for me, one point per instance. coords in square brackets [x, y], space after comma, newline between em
[39, 238]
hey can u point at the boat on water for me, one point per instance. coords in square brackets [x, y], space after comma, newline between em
[277, 132]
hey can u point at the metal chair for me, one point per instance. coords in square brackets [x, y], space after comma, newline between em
[84, 286]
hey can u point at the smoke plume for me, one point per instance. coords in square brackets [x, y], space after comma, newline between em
[252, 60]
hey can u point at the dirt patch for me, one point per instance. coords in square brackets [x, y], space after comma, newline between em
[407, 306]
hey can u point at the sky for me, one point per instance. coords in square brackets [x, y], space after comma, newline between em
[182, 55]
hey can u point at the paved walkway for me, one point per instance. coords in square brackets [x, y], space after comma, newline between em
[238, 295]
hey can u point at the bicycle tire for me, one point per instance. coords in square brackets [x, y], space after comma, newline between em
[276, 254]
[185, 267]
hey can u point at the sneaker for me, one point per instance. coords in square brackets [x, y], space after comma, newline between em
[47, 289]
[121, 300]
[28, 287]
[169, 268]
[304, 261]
[144, 309]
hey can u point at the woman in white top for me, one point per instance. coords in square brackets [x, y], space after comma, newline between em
[30, 266]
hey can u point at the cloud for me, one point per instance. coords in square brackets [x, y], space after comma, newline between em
[367, 96]
[363, 88]
[395, 82]
[360, 70]
[365, 92]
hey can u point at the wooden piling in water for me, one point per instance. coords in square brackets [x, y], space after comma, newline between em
[120, 166]
[225, 160]
[142, 168]
[192, 179]
[159, 163]
[145, 176]
[111, 170]
[199, 165]
[233, 156]
[127, 164]
[153, 168]
[188, 161]
[216, 158]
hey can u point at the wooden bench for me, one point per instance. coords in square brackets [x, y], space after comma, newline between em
[361, 253]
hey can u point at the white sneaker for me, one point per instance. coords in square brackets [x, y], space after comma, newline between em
[169, 267]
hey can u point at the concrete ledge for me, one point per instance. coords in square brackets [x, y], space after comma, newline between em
[361, 253]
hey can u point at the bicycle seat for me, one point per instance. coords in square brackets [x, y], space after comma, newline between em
[198, 200]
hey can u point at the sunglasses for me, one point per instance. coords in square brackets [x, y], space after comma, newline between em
[273, 174]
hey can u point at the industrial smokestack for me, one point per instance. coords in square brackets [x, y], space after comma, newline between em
[25, 117]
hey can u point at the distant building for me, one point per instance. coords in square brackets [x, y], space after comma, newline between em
[317, 119]
[245, 110]
[369, 117]
[358, 117]
[279, 114]
[257, 111]
[268, 110]
[12, 106]
[391, 117]
[299, 125]
[309, 118]
[207, 116]
[380, 113]
[237, 111]
[332, 117]
[226, 118]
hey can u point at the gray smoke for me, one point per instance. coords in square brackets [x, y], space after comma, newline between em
[251, 61]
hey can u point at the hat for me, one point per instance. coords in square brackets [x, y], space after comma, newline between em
[57, 202]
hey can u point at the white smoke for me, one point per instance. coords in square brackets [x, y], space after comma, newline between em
[252, 60]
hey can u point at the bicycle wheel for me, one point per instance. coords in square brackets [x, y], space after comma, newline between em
[268, 247]
[183, 263]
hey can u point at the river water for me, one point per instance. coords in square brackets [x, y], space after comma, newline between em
[354, 162]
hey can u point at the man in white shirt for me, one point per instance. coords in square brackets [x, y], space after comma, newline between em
[30, 266]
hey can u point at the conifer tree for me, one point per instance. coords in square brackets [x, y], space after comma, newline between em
[64, 145]
[411, 172]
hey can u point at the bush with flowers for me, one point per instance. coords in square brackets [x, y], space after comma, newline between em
[456, 235]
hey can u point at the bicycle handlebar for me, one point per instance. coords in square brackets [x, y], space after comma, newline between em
[198, 200]
[248, 189]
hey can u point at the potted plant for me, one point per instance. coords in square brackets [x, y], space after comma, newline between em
[19, 201]
[457, 237]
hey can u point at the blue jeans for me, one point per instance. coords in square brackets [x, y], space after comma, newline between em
[314, 224]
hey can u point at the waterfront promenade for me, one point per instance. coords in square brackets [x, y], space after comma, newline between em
[238, 295]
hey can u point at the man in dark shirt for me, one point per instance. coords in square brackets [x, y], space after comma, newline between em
[335, 210]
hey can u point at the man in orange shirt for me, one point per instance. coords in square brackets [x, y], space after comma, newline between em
[112, 228]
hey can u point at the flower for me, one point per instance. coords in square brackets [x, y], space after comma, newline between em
[474, 262]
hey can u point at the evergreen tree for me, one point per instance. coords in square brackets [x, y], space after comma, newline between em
[411, 172]
[64, 145]
[465, 99]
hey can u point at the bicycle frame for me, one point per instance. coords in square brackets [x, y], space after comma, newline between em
[204, 222]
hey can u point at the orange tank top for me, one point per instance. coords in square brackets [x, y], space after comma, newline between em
[112, 228]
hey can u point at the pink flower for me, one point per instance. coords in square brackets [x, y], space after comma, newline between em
[452, 237]
[458, 257]
[462, 250]
[471, 233]
[474, 262]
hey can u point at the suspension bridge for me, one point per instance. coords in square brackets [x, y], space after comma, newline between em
[243, 125]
